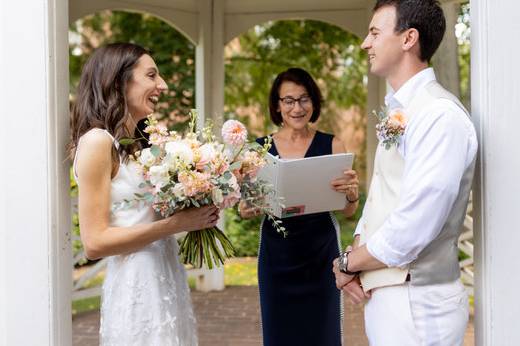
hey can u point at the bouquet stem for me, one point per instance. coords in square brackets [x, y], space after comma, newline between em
[200, 247]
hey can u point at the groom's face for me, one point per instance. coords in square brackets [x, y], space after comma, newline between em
[382, 43]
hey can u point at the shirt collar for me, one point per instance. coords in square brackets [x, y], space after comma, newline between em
[402, 97]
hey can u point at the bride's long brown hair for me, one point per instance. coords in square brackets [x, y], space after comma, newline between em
[101, 95]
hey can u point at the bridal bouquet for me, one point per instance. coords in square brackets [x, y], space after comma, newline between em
[195, 170]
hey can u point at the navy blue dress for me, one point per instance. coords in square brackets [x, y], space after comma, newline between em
[299, 301]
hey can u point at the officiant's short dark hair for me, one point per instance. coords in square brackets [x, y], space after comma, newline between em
[426, 16]
[300, 77]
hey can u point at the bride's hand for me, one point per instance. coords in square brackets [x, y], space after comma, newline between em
[247, 212]
[347, 184]
[193, 219]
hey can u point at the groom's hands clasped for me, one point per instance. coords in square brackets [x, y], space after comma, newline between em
[350, 284]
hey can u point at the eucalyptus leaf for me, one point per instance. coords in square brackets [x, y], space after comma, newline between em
[126, 141]
[155, 150]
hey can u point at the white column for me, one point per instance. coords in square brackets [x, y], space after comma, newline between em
[209, 94]
[35, 256]
[446, 60]
[495, 106]
[209, 62]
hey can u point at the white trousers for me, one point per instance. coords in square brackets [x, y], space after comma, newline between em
[407, 315]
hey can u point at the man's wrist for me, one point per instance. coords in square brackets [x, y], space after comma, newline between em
[343, 264]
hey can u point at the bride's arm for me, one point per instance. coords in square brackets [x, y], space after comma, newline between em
[348, 184]
[94, 167]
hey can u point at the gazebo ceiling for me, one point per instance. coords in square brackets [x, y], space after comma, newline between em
[235, 16]
[261, 6]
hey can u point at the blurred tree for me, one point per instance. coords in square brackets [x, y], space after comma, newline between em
[463, 33]
[173, 53]
[331, 55]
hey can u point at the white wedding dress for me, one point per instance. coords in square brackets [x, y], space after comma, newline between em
[145, 296]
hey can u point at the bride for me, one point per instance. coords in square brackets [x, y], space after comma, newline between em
[145, 296]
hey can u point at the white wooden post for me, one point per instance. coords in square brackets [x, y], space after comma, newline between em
[209, 94]
[495, 106]
[209, 62]
[35, 258]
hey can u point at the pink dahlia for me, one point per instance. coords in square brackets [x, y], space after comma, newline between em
[234, 133]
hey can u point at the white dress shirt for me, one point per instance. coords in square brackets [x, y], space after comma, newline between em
[439, 143]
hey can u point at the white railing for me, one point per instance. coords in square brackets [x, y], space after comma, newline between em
[466, 246]
[205, 279]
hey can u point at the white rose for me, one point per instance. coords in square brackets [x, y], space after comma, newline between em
[207, 154]
[179, 150]
[178, 191]
[170, 161]
[146, 158]
[159, 175]
[217, 196]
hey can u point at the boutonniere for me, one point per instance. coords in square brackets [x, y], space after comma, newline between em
[390, 127]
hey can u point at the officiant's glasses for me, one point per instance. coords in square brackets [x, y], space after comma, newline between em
[289, 102]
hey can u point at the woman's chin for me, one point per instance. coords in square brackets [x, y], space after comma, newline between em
[297, 124]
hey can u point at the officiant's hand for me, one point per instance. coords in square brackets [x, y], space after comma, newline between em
[347, 184]
[247, 211]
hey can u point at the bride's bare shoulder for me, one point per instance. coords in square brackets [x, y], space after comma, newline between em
[94, 151]
[96, 138]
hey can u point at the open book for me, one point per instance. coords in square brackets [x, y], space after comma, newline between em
[302, 186]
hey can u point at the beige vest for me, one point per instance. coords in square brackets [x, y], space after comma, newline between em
[438, 262]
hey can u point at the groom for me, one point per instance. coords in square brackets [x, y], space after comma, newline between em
[405, 257]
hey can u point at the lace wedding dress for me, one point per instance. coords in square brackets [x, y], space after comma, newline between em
[145, 296]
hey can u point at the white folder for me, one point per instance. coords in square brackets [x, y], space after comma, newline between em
[302, 186]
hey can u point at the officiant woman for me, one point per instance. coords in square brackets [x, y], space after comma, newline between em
[299, 301]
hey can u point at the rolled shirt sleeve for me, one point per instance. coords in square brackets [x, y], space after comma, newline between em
[359, 226]
[438, 145]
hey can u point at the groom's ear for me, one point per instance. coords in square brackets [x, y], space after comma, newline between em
[410, 40]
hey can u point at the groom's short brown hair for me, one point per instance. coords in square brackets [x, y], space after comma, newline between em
[426, 16]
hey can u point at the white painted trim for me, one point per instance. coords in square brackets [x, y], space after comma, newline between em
[480, 107]
[58, 171]
[495, 103]
[184, 20]
[349, 20]
[35, 259]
